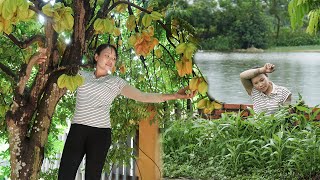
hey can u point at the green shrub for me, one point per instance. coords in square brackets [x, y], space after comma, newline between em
[287, 37]
[220, 43]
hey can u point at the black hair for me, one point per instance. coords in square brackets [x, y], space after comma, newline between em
[102, 47]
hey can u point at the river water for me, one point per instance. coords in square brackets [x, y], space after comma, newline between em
[298, 71]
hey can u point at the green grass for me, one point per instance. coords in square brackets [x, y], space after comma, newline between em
[295, 49]
[281, 146]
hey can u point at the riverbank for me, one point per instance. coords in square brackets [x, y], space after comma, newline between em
[281, 49]
[294, 49]
[274, 49]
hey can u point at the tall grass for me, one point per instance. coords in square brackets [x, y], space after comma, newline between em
[281, 146]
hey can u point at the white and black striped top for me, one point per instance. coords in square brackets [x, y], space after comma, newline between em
[94, 99]
[269, 103]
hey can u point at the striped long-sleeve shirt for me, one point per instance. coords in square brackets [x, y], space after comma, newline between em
[94, 99]
[95, 96]
[269, 103]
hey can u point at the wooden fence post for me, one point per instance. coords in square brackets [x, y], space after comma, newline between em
[149, 145]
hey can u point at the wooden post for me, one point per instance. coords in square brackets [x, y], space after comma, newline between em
[149, 145]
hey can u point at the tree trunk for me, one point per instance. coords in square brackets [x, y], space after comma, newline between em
[27, 148]
[28, 120]
[278, 26]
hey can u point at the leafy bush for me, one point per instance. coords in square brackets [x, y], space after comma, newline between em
[220, 43]
[287, 37]
[281, 146]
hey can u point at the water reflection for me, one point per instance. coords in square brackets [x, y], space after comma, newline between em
[299, 72]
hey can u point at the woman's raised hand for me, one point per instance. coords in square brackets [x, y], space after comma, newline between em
[269, 68]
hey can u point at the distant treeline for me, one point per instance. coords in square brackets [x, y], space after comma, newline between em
[226, 25]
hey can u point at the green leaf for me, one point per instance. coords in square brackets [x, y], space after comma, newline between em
[155, 15]
[98, 24]
[70, 83]
[302, 108]
[189, 50]
[181, 48]
[48, 10]
[73, 82]
[62, 81]
[146, 20]
[8, 9]
[131, 22]
[108, 25]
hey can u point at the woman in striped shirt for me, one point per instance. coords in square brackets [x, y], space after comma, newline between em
[266, 96]
[90, 131]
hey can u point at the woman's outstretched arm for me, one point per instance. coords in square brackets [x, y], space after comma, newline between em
[134, 93]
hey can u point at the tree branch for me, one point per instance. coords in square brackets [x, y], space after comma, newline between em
[143, 60]
[28, 42]
[25, 75]
[167, 52]
[104, 11]
[131, 13]
[168, 32]
[91, 11]
[8, 71]
[36, 2]
[101, 14]
[129, 3]
[35, 8]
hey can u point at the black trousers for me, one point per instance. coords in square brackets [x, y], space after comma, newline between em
[84, 140]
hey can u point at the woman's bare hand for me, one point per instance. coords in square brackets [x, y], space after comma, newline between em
[185, 93]
[39, 57]
[268, 68]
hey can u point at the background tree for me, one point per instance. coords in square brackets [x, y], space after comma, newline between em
[278, 9]
[244, 23]
[226, 25]
[201, 15]
[155, 48]
[298, 11]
